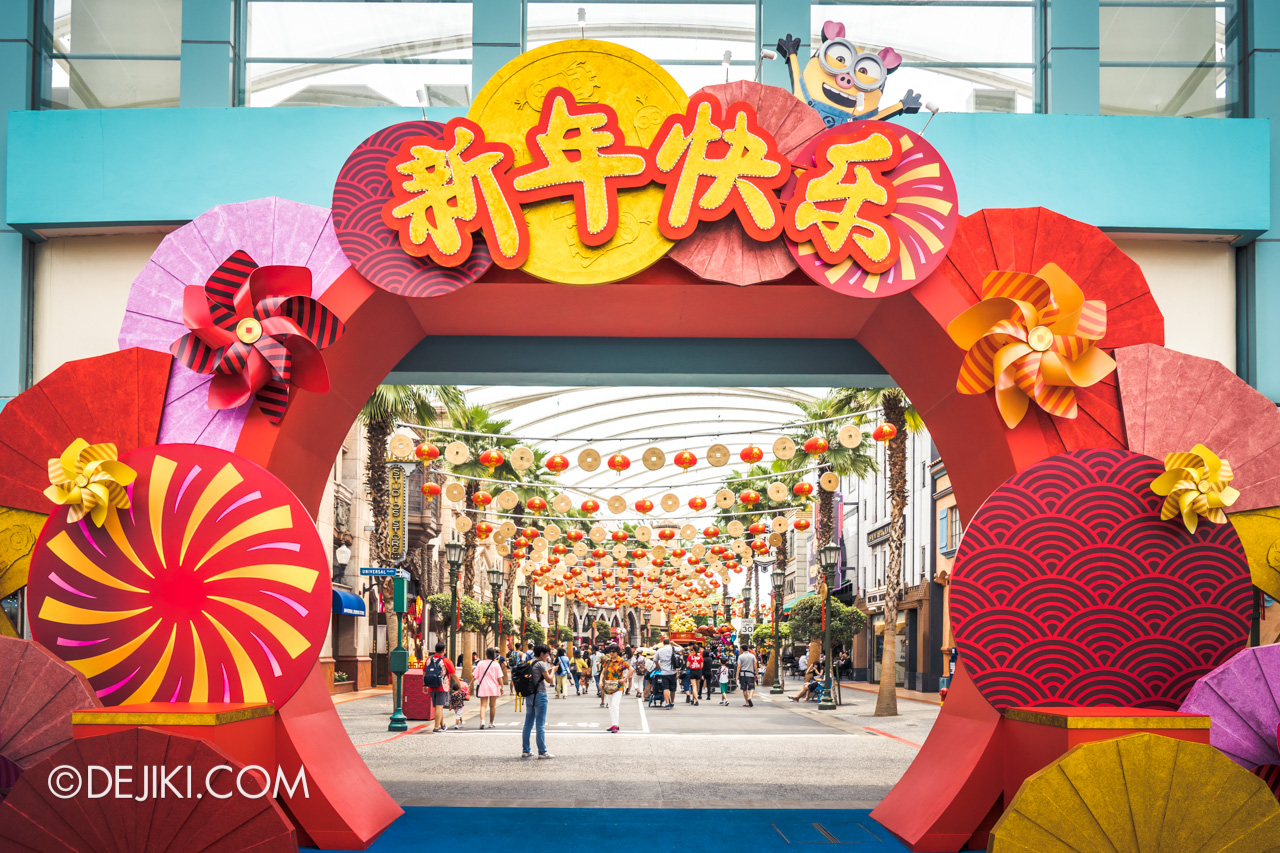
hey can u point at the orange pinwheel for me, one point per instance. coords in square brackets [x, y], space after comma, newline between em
[1032, 337]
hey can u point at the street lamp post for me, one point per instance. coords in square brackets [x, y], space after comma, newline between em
[554, 607]
[779, 579]
[728, 614]
[746, 602]
[537, 606]
[495, 589]
[828, 557]
[523, 592]
[454, 552]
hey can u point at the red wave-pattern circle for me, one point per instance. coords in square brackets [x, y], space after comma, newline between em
[374, 249]
[1068, 588]
[212, 587]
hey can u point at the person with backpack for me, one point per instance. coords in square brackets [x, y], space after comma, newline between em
[438, 675]
[747, 670]
[486, 679]
[615, 672]
[564, 669]
[693, 666]
[667, 665]
[584, 671]
[531, 680]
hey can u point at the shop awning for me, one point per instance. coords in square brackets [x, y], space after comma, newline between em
[347, 603]
[786, 608]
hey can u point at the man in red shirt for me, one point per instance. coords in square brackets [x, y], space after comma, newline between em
[438, 675]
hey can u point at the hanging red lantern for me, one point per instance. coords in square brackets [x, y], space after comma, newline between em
[644, 506]
[482, 499]
[589, 563]
[619, 535]
[559, 549]
[718, 550]
[483, 529]
[426, 451]
[760, 546]
[803, 489]
[815, 445]
[529, 533]
[557, 464]
[619, 463]
[666, 534]
[553, 560]
[711, 532]
[678, 552]
[885, 432]
[697, 504]
[599, 553]
[491, 459]
[430, 491]
[521, 543]
[693, 561]
[606, 573]
[574, 534]
[536, 505]
[750, 497]
[751, 454]
[590, 505]
[685, 460]
[801, 524]
[757, 528]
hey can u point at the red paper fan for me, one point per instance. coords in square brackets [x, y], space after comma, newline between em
[225, 819]
[722, 251]
[116, 397]
[1174, 401]
[924, 215]
[212, 587]
[1069, 589]
[38, 692]
[374, 249]
[1024, 240]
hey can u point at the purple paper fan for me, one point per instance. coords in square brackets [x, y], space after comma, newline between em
[1243, 699]
[272, 231]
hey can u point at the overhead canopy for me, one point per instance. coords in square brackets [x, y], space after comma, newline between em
[347, 603]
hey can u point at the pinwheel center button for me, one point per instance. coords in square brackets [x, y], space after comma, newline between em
[1040, 338]
[1204, 486]
[248, 330]
[82, 480]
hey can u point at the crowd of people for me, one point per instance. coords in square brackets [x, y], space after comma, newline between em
[537, 673]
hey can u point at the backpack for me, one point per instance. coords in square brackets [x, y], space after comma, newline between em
[522, 679]
[433, 674]
[677, 661]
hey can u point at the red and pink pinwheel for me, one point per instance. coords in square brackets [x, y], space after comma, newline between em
[258, 331]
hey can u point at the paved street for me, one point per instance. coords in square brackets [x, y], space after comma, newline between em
[775, 754]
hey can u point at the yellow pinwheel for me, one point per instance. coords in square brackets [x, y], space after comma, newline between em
[1195, 485]
[90, 480]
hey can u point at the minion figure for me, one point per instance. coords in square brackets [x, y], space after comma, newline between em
[843, 83]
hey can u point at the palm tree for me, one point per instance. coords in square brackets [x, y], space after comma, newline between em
[898, 412]
[838, 459]
[388, 406]
[536, 481]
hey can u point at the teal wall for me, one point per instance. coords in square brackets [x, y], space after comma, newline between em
[128, 167]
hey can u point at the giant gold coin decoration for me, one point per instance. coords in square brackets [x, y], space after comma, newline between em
[562, 503]
[829, 481]
[521, 458]
[551, 532]
[455, 492]
[776, 491]
[540, 544]
[717, 455]
[735, 528]
[617, 504]
[688, 533]
[659, 552]
[400, 447]
[653, 458]
[849, 436]
[599, 534]
[725, 499]
[641, 93]
[619, 551]
[456, 453]
[698, 550]
[643, 533]
[580, 549]
[775, 539]
[780, 524]
[506, 529]
[461, 523]
[504, 550]
[507, 499]
[784, 448]
[588, 460]
[669, 502]
[570, 559]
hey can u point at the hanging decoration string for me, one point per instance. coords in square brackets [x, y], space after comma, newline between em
[652, 520]
[648, 486]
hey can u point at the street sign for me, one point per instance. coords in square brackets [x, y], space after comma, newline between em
[748, 625]
[397, 533]
[402, 573]
[378, 571]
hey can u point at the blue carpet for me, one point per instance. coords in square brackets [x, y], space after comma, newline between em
[709, 830]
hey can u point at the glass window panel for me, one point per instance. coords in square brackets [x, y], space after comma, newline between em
[119, 27]
[925, 33]
[1162, 91]
[282, 85]
[966, 90]
[701, 31]
[334, 30]
[1179, 33]
[112, 83]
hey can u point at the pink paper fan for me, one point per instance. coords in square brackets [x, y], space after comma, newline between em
[272, 231]
[1174, 401]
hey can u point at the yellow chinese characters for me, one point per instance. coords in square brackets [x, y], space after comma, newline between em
[712, 167]
[842, 204]
[580, 152]
[457, 184]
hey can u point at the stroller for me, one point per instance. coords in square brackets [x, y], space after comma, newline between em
[655, 693]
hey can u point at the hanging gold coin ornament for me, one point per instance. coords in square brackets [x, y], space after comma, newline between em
[849, 435]
[725, 499]
[599, 534]
[784, 448]
[552, 532]
[507, 499]
[688, 533]
[455, 492]
[619, 551]
[653, 458]
[562, 503]
[520, 458]
[617, 504]
[780, 524]
[669, 502]
[643, 533]
[506, 530]
[829, 481]
[456, 453]
[717, 455]
[461, 523]
[503, 550]
[659, 552]
[540, 543]
[580, 548]
[775, 539]
[588, 460]
[400, 447]
[734, 528]
[776, 492]
[699, 550]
